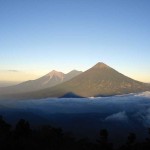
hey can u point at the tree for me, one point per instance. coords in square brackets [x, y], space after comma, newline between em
[4, 127]
[103, 140]
[23, 129]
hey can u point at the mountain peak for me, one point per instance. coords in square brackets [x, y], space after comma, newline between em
[75, 71]
[100, 65]
[55, 73]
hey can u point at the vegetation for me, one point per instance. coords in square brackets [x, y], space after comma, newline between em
[22, 137]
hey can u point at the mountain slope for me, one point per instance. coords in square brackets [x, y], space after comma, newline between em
[49, 80]
[100, 80]
[71, 75]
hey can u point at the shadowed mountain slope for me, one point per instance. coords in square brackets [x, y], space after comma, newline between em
[100, 80]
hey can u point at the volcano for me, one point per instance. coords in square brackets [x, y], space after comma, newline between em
[100, 80]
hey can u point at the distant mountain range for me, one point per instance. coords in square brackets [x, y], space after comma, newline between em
[49, 80]
[7, 83]
[100, 80]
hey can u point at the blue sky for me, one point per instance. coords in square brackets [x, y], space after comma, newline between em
[37, 36]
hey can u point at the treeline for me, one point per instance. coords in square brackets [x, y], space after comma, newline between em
[22, 137]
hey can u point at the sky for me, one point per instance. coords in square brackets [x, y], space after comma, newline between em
[37, 36]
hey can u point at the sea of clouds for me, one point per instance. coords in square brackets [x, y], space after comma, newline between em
[118, 107]
[130, 112]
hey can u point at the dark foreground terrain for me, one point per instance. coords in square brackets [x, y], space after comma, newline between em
[116, 122]
[22, 137]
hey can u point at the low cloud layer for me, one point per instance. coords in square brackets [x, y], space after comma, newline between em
[120, 116]
[130, 108]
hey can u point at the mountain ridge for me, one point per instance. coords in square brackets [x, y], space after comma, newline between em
[49, 80]
[99, 80]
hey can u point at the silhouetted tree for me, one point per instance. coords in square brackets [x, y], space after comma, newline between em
[50, 138]
[131, 143]
[5, 133]
[131, 139]
[4, 127]
[146, 144]
[103, 140]
[23, 129]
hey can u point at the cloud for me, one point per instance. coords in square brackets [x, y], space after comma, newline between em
[120, 116]
[145, 117]
[10, 70]
[16, 75]
[130, 108]
[144, 94]
[13, 70]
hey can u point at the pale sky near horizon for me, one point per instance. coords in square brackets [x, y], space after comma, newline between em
[37, 36]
